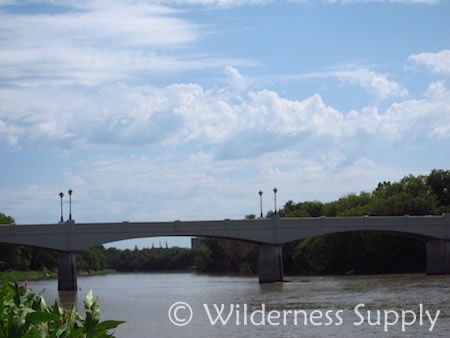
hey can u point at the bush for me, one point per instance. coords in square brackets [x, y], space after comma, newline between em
[25, 314]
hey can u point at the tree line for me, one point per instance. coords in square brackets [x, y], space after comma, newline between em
[353, 252]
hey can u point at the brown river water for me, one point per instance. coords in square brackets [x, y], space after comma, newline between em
[195, 305]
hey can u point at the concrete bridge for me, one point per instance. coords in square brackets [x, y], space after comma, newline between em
[69, 237]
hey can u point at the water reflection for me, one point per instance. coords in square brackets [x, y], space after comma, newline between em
[271, 287]
[67, 299]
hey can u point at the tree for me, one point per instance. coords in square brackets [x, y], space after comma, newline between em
[225, 255]
[439, 182]
[93, 258]
[304, 209]
[410, 196]
[6, 219]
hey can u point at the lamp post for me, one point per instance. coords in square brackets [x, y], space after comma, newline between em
[61, 195]
[260, 202]
[275, 198]
[70, 204]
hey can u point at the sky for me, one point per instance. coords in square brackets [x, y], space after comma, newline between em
[162, 110]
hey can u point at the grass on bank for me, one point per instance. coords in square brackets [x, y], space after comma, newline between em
[16, 275]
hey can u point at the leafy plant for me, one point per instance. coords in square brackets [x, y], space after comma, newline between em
[25, 314]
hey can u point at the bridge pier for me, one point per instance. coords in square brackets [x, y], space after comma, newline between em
[438, 257]
[270, 263]
[67, 271]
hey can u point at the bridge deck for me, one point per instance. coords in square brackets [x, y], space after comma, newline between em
[71, 236]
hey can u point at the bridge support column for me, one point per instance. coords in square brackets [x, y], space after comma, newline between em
[438, 257]
[67, 271]
[270, 263]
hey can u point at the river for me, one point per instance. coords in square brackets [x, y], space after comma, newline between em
[327, 306]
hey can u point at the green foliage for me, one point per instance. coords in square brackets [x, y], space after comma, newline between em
[224, 255]
[304, 209]
[410, 196]
[93, 258]
[43, 259]
[352, 205]
[439, 182]
[204, 261]
[154, 259]
[4, 219]
[12, 275]
[25, 314]
[359, 252]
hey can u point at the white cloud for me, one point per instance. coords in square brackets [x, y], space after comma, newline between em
[232, 3]
[442, 131]
[73, 179]
[419, 118]
[188, 113]
[380, 86]
[114, 26]
[218, 4]
[439, 96]
[266, 111]
[436, 62]
[91, 43]
[427, 2]
[236, 80]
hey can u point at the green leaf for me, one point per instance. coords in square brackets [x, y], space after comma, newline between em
[40, 316]
[108, 325]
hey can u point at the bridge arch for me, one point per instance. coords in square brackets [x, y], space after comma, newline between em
[423, 227]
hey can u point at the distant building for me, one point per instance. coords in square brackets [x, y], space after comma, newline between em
[198, 242]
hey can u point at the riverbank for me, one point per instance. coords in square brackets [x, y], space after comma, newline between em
[11, 275]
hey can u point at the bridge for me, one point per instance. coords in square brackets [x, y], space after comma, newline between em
[270, 233]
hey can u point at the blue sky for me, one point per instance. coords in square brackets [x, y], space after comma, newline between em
[163, 110]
